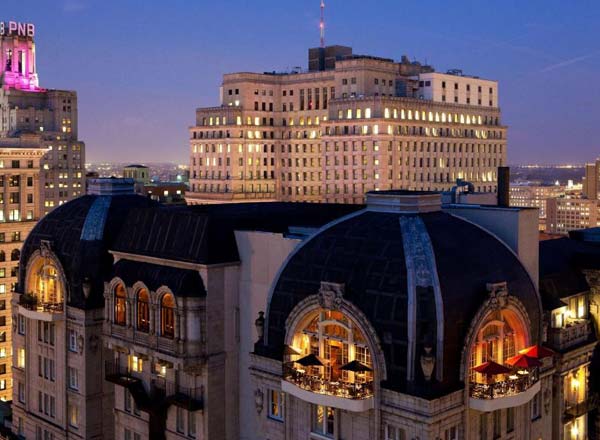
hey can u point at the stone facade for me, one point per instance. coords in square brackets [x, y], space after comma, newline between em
[173, 327]
[332, 135]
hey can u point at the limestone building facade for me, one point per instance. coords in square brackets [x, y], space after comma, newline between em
[304, 321]
[348, 125]
[20, 209]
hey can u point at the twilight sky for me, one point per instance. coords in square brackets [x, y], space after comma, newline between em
[141, 67]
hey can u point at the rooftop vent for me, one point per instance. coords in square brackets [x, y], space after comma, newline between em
[408, 202]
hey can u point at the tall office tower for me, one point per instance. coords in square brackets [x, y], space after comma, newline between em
[19, 211]
[26, 108]
[591, 180]
[348, 125]
[38, 131]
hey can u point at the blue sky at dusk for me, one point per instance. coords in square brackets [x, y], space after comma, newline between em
[141, 67]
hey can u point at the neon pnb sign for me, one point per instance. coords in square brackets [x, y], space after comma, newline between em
[14, 28]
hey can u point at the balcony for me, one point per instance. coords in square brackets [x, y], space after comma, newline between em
[356, 397]
[574, 410]
[573, 333]
[116, 373]
[513, 390]
[31, 308]
[188, 398]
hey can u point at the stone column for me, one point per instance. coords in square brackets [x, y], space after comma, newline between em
[153, 318]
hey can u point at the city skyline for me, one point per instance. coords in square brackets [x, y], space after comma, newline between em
[173, 60]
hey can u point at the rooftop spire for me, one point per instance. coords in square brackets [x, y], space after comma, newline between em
[322, 23]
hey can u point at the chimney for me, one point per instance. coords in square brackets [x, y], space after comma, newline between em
[504, 186]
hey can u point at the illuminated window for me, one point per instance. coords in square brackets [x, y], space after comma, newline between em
[120, 305]
[143, 311]
[73, 415]
[323, 420]
[368, 113]
[136, 363]
[343, 342]
[21, 358]
[276, 404]
[44, 282]
[167, 315]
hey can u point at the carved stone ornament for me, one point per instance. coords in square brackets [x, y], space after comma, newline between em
[45, 248]
[331, 295]
[259, 399]
[427, 363]
[498, 295]
[547, 400]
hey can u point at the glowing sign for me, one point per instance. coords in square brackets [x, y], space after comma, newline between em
[13, 28]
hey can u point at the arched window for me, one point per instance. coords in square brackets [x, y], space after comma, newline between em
[15, 255]
[338, 340]
[120, 305]
[501, 336]
[167, 316]
[143, 311]
[2, 256]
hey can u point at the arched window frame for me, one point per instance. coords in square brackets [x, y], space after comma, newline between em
[167, 316]
[36, 262]
[120, 304]
[142, 310]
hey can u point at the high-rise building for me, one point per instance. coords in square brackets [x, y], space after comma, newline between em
[348, 125]
[41, 162]
[20, 209]
[591, 180]
[528, 195]
[566, 214]
[27, 108]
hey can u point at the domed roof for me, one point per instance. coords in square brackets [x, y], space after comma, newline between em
[79, 233]
[381, 257]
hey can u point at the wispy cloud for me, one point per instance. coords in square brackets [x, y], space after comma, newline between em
[569, 61]
[74, 5]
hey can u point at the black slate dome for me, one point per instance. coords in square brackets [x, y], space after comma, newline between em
[79, 233]
[366, 252]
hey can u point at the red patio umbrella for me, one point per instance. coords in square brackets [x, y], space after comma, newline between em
[491, 368]
[537, 351]
[523, 361]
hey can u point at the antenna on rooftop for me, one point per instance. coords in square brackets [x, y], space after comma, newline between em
[322, 23]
